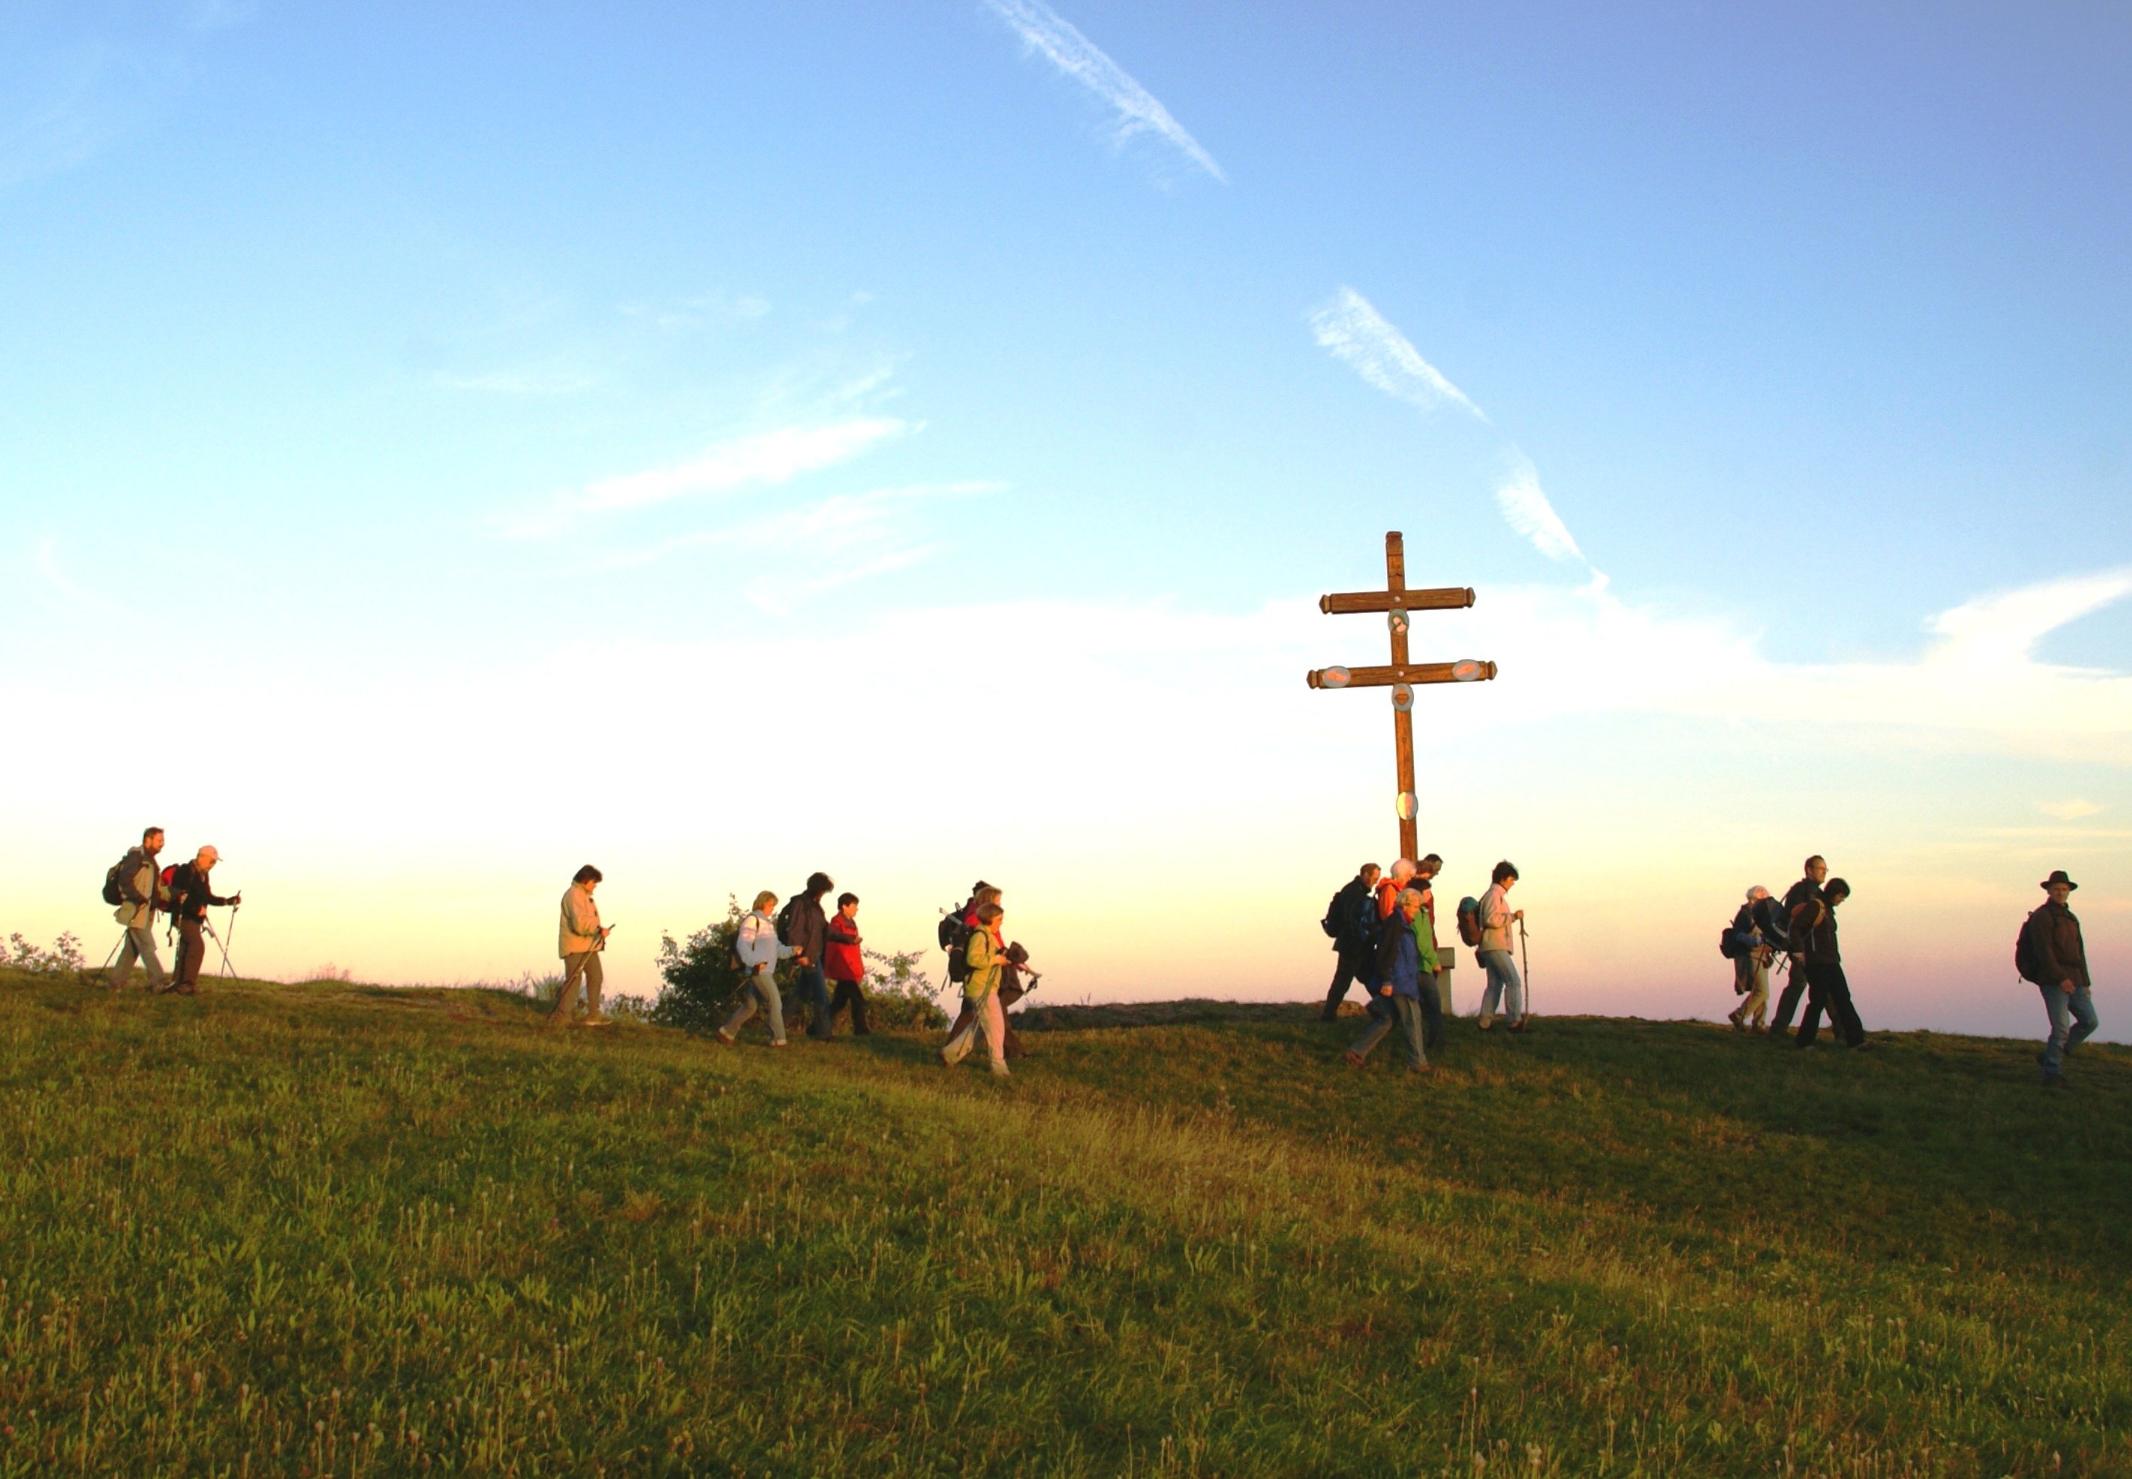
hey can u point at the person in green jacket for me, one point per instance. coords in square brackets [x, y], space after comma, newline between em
[1424, 925]
[980, 993]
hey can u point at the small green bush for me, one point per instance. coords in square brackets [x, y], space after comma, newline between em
[63, 957]
[701, 986]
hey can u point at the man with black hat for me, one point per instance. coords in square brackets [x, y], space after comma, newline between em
[2057, 961]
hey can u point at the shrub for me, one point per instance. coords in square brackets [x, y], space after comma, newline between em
[64, 956]
[701, 986]
[898, 994]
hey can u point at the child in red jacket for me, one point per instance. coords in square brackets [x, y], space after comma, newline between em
[844, 966]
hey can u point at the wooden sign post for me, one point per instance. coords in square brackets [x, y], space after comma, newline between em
[1395, 600]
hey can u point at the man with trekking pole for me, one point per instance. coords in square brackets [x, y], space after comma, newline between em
[581, 937]
[190, 898]
[134, 880]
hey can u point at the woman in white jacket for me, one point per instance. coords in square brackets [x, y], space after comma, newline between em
[756, 945]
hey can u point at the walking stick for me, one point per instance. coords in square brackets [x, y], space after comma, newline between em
[1524, 965]
[209, 925]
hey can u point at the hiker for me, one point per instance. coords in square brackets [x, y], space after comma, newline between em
[1425, 874]
[580, 940]
[980, 994]
[1813, 929]
[136, 878]
[1808, 887]
[1494, 951]
[806, 930]
[844, 964]
[1350, 921]
[2058, 965]
[756, 945]
[981, 894]
[1395, 978]
[1393, 884]
[1432, 968]
[190, 897]
[1750, 963]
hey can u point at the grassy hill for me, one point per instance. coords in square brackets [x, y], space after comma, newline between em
[336, 1229]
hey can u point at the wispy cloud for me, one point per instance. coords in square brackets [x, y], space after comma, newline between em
[1050, 35]
[761, 459]
[65, 118]
[1358, 336]
[1352, 330]
[684, 315]
[1526, 509]
[2068, 811]
[844, 524]
[1567, 647]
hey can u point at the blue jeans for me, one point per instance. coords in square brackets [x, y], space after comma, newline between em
[2072, 1020]
[1503, 985]
[811, 988]
[761, 991]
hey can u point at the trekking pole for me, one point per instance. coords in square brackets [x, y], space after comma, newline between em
[1524, 964]
[113, 955]
[209, 925]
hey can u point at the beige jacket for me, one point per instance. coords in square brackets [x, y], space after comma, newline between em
[138, 878]
[581, 922]
[1495, 919]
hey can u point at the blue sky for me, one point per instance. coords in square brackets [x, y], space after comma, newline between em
[501, 387]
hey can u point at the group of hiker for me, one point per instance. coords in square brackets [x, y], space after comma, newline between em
[824, 948]
[139, 887]
[1382, 924]
[1383, 928]
[1801, 929]
[1798, 935]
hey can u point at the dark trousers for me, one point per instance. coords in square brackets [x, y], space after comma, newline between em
[1347, 971]
[1432, 1016]
[192, 954]
[1828, 990]
[808, 985]
[849, 994]
[1788, 999]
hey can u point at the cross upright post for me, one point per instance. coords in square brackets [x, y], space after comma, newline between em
[1396, 601]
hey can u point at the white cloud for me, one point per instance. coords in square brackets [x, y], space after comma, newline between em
[2068, 811]
[760, 459]
[1358, 336]
[1526, 509]
[1046, 32]
[830, 527]
[683, 315]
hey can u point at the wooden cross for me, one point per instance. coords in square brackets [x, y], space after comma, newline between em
[1396, 601]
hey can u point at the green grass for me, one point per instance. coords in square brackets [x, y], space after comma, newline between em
[336, 1229]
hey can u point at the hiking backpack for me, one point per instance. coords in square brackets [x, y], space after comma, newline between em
[784, 921]
[955, 939]
[1331, 922]
[1728, 943]
[2028, 959]
[113, 894]
[1469, 920]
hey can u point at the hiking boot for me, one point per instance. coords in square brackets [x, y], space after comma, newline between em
[1861, 1045]
[777, 1042]
[1352, 1058]
[1420, 1070]
[597, 1022]
[1523, 1024]
[723, 1038]
[1487, 1020]
[2055, 1081]
[999, 1070]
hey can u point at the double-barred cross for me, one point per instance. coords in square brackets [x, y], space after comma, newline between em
[1400, 675]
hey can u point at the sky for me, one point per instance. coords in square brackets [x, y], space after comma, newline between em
[444, 445]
